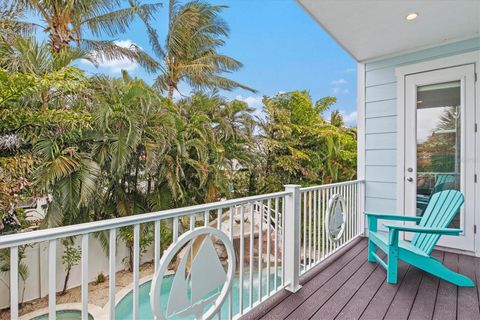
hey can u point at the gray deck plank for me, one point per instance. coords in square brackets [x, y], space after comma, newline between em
[403, 301]
[446, 304]
[378, 305]
[424, 303]
[341, 297]
[293, 301]
[362, 297]
[468, 307]
[323, 293]
[352, 288]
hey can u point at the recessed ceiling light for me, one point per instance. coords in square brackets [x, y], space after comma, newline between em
[411, 16]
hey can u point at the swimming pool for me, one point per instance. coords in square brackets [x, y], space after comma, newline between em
[124, 308]
[64, 315]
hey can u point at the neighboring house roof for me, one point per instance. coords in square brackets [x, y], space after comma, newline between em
[373, 29]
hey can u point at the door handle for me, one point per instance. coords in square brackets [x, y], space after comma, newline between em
[410, 179]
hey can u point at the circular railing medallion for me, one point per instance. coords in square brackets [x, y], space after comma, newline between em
[204, 283]
[335, 217]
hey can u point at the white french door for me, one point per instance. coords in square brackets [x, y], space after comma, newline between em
[440, 144]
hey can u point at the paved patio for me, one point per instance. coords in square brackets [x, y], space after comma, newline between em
[350, 287]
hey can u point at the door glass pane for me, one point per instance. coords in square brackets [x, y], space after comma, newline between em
[438, 142]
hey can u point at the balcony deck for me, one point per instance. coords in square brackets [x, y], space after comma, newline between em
[350, 287]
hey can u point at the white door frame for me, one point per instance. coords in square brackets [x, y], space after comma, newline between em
[401, 73]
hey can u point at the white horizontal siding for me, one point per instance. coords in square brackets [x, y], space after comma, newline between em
[380, 76]
[380, 158]
[381, 125]
[380, 141]
[381, 173]
[380, 205]
[381, 92]
[381, 121]
[384, 190]
[381, 108]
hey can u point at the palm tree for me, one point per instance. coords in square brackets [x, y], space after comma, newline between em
[69, 174]
[57, 83]
[10, 24]
[195, 33]
[66, 23]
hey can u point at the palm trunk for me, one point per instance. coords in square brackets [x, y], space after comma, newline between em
[171, 90]
[65, 283]
[59, 33]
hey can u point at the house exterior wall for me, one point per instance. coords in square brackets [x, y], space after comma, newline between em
[380, 121]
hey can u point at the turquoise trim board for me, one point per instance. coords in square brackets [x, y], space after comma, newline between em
[441, 210]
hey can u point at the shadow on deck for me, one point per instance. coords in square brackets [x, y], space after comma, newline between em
[349, 287]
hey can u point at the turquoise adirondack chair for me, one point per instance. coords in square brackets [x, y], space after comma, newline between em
[442, 182]
[441, 210]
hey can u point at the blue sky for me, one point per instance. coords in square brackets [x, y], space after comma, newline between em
[282, 49]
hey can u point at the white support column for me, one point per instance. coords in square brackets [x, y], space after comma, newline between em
[292, 238]
[136, 268]
[52, 279]
[112, 270]
[14, 282]
[361, 143]
[361, 207]
[84, 288]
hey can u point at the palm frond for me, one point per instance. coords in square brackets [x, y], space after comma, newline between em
[109, 50]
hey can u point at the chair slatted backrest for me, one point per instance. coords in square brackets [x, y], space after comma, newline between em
[441, 210]
[443, 181]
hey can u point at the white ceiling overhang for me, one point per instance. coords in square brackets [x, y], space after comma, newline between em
[373, 29]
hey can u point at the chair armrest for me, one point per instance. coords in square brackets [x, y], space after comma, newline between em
[386, 216]
[443, 231]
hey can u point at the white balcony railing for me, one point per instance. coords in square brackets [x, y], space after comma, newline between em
[277, 237]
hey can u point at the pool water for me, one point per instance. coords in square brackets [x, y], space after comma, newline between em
[64, 315]
[124, 308]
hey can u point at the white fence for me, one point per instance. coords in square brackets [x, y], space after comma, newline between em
[317, 203]
[277, 237]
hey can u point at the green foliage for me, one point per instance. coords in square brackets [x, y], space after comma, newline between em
[101, 278]
[67, 22]
[23, 271]
[300, 146]
[14, 86]
[32, 124]
[70, 258]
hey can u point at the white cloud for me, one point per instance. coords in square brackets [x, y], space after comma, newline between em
[252, 101]
[338, 86]
[115, 65]
[350, 119]
[336, 90]
[338, 82]
[255, 103]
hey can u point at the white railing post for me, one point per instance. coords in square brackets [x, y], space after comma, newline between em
[361, 207]
[292, 237]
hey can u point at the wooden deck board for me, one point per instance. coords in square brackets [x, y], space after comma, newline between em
[424, 303]
[284, 308]
[446, 303]
[340, 298]
[308, 308]
[378, 306]
[352, 288]
[357, 304]
[467, 302]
